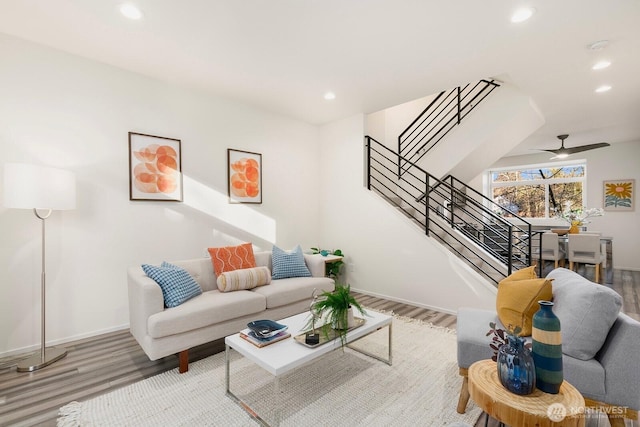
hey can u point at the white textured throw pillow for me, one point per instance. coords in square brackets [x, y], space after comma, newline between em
[245, 278]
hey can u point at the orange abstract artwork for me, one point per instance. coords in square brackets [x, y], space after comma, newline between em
[157, 170]
[155, 173]
[245, 181]
[244, 176]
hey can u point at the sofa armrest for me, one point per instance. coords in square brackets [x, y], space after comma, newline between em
[620, 357]
[145, 299]
[315, 264]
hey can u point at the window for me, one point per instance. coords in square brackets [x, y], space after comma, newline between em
[535, 191]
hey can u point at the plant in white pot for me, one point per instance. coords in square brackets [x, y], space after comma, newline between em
[337, 309]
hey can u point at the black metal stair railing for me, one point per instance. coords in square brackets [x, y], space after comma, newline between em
[441, 116]
[468, 223]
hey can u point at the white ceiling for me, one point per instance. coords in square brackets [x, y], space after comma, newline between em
[283, 55]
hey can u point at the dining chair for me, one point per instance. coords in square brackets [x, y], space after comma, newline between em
[551, 249]
[586, 249]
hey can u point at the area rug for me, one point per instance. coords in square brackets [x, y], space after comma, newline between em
[344, 388]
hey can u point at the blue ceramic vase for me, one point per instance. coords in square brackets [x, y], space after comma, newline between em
[547, 348]
[515, 364]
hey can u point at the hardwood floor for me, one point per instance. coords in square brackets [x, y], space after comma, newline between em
[99, 364]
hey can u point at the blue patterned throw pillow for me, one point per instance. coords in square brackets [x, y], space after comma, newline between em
[177, 285]
[288, 264]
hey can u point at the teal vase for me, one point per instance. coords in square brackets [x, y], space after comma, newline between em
[547, 348]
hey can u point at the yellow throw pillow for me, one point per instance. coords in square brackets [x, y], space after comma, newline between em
[517, 301]
[525, 273]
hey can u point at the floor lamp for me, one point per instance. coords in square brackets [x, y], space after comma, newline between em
[44, 190]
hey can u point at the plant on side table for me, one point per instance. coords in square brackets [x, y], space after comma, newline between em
[336, 308]
[332, 268]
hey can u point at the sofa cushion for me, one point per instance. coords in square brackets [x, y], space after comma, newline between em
[263, 259]
[176, 284]
[517, 301]
[288, 264]
[201, 269]
[586, 311]
[588, 376]
[231, 258]
[471, 330]
[204, 310]
[286, 291]
[245, 278]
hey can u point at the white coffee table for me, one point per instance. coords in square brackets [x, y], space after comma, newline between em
[284, 356]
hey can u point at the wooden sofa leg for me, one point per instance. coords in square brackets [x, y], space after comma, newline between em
[183, 358]
[616, 421]
[464, 394]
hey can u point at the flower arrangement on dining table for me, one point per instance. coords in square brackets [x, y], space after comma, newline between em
[578, 217]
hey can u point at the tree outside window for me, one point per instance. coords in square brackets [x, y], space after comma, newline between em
[537, 192]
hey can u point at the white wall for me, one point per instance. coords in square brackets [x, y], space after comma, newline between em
[60, 110]
[386, 125]
[386, 254]
[619, 161]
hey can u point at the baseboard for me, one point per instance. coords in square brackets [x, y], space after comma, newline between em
[403, 301]
[23, 351]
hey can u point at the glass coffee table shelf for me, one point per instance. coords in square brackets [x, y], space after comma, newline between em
[326, 336]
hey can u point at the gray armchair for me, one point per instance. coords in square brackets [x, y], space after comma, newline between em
[601, 346]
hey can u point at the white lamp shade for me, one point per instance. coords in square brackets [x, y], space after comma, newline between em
[29, 186]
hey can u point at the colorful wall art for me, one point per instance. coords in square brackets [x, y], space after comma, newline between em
[244, 173]
[619, 195]
[155, 170]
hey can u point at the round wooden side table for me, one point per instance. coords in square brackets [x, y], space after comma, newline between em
[539, 409]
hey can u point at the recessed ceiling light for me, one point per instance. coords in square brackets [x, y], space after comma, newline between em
[601, 65]
[329, 96]
[600, 44]
[522, 14]
[131, 11]
[604, 88]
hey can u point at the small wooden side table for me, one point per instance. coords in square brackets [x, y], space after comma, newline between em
[539, 409]
[330, 259]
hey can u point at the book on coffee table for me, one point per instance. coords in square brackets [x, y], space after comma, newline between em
[250, 336]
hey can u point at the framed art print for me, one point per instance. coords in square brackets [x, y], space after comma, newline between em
[619, 195]
[155, 168]
[244, 176]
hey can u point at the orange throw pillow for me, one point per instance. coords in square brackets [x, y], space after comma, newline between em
[231, 258]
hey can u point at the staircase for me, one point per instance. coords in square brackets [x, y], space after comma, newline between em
[438, 119]
[490, 239]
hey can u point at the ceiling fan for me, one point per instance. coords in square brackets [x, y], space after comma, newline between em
[563, 152]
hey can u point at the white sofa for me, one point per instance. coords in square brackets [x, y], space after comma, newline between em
[212, 315]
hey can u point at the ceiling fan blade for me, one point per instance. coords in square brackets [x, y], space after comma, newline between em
[582, 148]
[572, 150]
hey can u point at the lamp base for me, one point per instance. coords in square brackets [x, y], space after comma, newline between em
[35, 362]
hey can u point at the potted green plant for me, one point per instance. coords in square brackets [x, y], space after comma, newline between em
[332, 269]
[336, 308]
